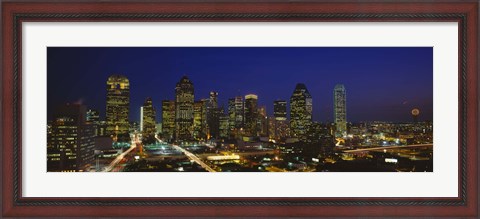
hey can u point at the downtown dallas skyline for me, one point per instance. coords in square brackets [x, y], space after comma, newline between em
[382, 84]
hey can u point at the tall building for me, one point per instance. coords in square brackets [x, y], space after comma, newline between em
[223, 124]
[118, 103]
[149, 121]
[168, 119]
[93, 117]
[280, 109]
[199, 120]
[300, 112]
[280, 128]
[251, 115]
[239, 112]
[231, 114]
[213, 115]
[141, 119]
[71, 141]
[262, 122]
[184, 109]
[340, 109]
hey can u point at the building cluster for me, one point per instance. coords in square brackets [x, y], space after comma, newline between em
[71, 136]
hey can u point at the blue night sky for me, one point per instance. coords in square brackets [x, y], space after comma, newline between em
[382, 83]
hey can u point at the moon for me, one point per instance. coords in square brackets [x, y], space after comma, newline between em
[415, 112]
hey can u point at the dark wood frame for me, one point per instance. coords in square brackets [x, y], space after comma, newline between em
[464, 12]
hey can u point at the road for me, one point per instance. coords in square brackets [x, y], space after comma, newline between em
[388, 147]
[193, 157]
[119, 158]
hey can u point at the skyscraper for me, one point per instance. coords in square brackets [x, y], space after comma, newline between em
[340, 109]
[251, 115]
[280, 109]
[213, 115]
[70, 143]
[184, 109]
[280, 128]
[168, 119]
[199, 119]
[231, 114]
[300, 112]
[149, 121]
[93, 117]
[262, 122]
[141, 118]
[118, 103]
[239, 112]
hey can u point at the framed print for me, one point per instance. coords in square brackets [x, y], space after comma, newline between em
[221, 109]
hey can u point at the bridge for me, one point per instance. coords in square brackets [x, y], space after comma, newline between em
[388, 147]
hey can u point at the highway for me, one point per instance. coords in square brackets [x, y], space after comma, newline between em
[388, 147]
[119, 158]
[192, 157]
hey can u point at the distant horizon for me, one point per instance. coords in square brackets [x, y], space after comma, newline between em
[394, 80]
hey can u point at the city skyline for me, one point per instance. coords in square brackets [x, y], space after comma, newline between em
[391, 107]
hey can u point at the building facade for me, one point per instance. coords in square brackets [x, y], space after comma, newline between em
[118, 103]
[340, 109]
[168, 119]
[300, 112]
[184, 99]
[148, 121]
[251, 115]
[70, 141]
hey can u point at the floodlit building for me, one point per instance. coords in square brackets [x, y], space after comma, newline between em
[184, 99]
[300, 112]
[118, 103]
[340, 109]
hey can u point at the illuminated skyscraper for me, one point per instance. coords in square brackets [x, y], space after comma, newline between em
[280, 109]
[70, 143]
[340, 109]
[300, 112]
[213, 115]
[168, 119]
[280, 127]
[93, 117]
[251, 115]
[262, 122]
[239, 112]
[223, 123]
[118, 103]
[231, 114]
[184, 109]
[199, 119]
[149, 120]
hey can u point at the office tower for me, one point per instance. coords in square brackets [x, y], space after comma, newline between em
[231, 115]
[168, 119]
[239, 112]
[70, 143]
[280, 123]
[93, 117]
[262, 121]
[118, 103]
[300, 112]
[251, 115]
[199, 119]
[280, 109]
[213, 115]
[223, 124]
[340, 109]
[149, 121]
[184, 109]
